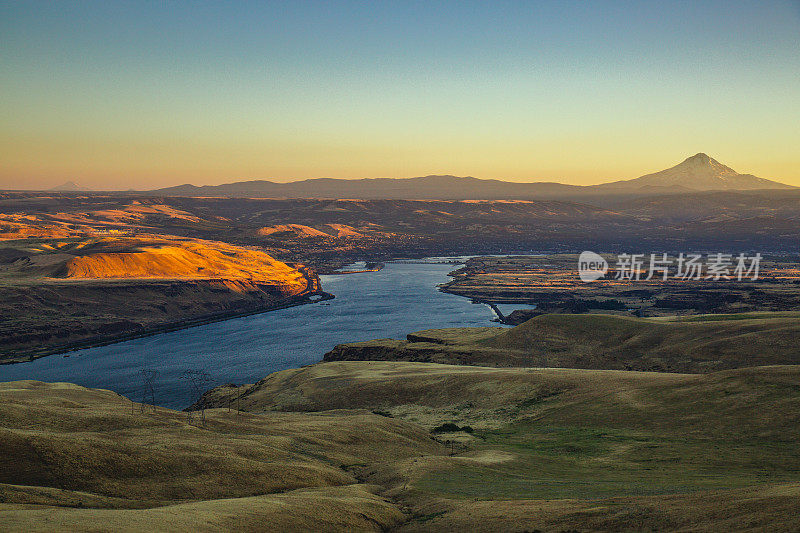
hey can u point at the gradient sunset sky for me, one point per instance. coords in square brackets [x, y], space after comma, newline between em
[119, 95]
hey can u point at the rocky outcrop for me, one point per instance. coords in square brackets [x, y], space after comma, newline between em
[428, 352]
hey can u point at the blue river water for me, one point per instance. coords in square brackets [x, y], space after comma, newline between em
[397, 300]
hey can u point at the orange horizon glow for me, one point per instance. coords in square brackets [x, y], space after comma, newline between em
[119, 169]
[117, 96]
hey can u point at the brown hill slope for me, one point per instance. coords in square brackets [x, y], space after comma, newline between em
[529, 449]
[702, 343]
[566, 449]
[85, 459]
[163, 258]
[59, 294]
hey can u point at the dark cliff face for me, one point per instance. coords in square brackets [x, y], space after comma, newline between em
[427, 352]
[380, 350]
[51, 317]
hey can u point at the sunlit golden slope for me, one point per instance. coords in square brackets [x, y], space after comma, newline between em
[70, 292]
[298, 230]
[184, 259]
[304, 232]
[18, 226]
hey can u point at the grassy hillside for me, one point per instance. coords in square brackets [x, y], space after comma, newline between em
[686, 344]
[703, 343]
[413, 447]
[557, 449]
[77, 458]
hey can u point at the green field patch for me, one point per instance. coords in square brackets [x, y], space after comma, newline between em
[589, 463]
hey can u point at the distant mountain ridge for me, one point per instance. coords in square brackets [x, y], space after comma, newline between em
[697, 173]
[426, 187]
[70, 186]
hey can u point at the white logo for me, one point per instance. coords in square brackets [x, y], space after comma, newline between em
[591, 266]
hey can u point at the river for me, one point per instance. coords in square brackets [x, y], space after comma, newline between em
[399, 299]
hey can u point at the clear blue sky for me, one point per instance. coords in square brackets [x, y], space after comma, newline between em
[140, 94]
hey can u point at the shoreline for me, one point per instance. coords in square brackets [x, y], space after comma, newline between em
[353, 271]
[293, 301]
[313, 288]
[85, 366]
[376, 267]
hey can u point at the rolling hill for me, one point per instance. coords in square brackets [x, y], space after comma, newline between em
[388, 446]
[569, 450]
[697, 344]
[77, 459]
[426, 187]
